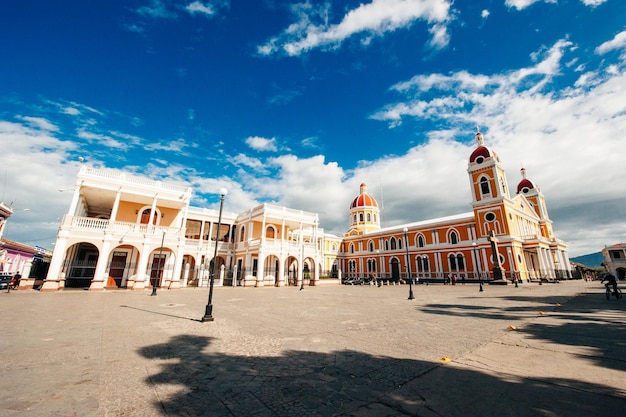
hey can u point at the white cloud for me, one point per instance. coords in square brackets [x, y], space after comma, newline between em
[157, 9]
[310, 142]
[313, 29]
[522, 4]
[201, 8]
[310, 184]
[177, 145]
[593, 3]
[35, 166]
[618, 42]
[101, 139]
[72, 111]
[39, 123]
[206, 8]
[486, 94]
[261, 144]
[247, 161]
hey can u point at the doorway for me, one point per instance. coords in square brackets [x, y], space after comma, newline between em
[395, 270]
[156, 272]
[116, 271]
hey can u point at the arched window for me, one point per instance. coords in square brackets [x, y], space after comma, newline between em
[371, 265]
[270, 232]
[420, 241]
[400, 242]
[422, 263]
[369, 217]
[352, 266]
[452, 260]
[354, 219]
[145, 217]
[425, 263]
[242, 234]
[370, 246]
[361, 217]
[454, 239]
[457, 262]
[484, 186]
[460, 262]
[352, 248]
[386, 245]
[393, 243]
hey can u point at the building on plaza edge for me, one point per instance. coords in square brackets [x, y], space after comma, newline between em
[123, 231]
[615, 260]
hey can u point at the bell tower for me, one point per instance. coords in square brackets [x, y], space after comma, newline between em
[487, 176]
[535, 197]
[489, 189]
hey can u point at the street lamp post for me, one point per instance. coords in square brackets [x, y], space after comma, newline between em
[158, 271]
[208, 311]
[480, 275]
[380, 269]
[302, 261]
[408, 263]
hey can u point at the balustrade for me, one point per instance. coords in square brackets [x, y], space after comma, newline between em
[92, 224]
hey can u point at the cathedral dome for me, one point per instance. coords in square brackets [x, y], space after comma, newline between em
[525, 184]
[363, 199]
[481, 152]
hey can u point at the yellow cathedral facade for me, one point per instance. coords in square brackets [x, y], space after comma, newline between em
[515, 227]
[124, 231]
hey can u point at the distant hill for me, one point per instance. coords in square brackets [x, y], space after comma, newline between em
[592, 260]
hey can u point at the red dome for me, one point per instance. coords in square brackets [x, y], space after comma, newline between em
[364, 200]
[525, 183]
[483, 151]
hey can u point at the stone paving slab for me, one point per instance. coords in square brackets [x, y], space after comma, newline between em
[323, 351]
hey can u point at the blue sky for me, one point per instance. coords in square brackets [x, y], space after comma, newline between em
[297, 103]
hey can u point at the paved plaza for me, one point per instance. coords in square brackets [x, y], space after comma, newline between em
[537, 350]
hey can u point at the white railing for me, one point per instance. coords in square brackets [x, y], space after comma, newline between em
[89, 223]
[130, 179]
[277, 244]
[92, 224]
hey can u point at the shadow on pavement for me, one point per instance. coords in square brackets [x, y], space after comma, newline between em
[588, 321]
[192, 381]
[161, 314]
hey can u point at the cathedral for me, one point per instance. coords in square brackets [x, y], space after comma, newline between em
[124, 231]
[464, 246]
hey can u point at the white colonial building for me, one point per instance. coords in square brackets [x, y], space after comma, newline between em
[123, 231]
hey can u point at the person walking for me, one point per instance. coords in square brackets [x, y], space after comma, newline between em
[15, 281]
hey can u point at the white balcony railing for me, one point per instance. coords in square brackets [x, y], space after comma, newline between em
[123, 177]
[122, 229]
[277, 245]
